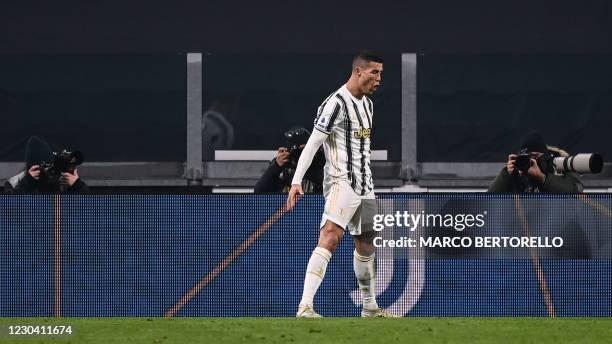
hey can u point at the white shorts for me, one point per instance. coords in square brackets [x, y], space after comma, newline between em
[347, 209]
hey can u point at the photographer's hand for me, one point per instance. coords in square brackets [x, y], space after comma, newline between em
[295, 192]
[535, 173]
[34, 172]
[510, 166]
[282, 156]
[70, 178]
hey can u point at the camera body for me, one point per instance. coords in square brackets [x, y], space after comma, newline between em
[295, 138]
[64, 161]
[523, 160]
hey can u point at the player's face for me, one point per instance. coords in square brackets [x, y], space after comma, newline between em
[370, 77]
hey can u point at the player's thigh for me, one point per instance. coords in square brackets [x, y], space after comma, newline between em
[341, 203]
[363, 219]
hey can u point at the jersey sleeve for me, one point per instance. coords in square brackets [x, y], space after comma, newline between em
[315, 141]
[328, 116]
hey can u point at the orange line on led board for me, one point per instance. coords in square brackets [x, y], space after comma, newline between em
[595, 204]
[57, 257]
[535, 260]
[236, 252]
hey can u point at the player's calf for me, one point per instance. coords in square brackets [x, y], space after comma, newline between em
[329, 238]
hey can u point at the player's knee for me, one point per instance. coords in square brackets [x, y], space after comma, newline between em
[330, 236]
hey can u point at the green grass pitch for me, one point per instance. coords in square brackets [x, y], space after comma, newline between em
[319, 331]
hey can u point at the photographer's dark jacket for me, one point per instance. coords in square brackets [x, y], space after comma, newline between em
[274, 180]
[554, 183]
[23, 183]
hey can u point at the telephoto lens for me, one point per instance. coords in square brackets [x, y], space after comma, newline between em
[579, 163]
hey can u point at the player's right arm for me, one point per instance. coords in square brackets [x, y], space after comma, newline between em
[328, 117]
[315, 141]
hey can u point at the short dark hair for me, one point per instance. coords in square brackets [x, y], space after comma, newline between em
[366, 56]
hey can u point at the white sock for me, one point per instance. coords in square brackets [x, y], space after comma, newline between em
[315, 271]
[364, 271]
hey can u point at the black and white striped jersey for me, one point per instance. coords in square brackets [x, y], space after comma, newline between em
[348, 122]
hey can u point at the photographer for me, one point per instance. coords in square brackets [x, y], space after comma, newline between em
[532, 170]
[278, 176]
[42, 173]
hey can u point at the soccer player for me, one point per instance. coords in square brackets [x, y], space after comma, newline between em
[344, 125]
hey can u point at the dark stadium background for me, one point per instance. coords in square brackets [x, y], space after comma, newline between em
[487, 73]
[474, 26]
[463, 81]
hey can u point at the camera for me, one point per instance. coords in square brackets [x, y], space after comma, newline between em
[65, 161]
[523, 160]
[579, 163]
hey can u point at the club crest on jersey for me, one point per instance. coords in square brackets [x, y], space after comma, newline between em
[363, 133]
